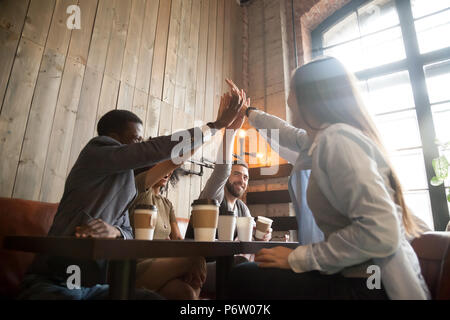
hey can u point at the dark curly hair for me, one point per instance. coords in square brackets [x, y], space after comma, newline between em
[173, 180]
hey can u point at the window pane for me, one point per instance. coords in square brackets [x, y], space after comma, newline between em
[419, 203]
[441, 118]
[349, 54]
[377, 15]
[433, 32]
[399, 130]
[344, 30]
[383, 47]
[410, 168]
[389, 93]
[421, 8]
[438, 81]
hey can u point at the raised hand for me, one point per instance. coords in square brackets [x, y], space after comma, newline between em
[229, 112]
[241, 93]
[224, 102]
[239, 121]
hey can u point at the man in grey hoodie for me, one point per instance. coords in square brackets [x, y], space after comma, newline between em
[98, 191]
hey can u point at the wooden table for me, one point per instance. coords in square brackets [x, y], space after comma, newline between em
[122, 255]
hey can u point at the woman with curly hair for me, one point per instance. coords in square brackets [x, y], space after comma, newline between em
[173, 278]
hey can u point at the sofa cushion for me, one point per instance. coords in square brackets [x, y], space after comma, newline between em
[20, 217]
[433, 251]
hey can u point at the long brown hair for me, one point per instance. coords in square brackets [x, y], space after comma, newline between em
[328, 93]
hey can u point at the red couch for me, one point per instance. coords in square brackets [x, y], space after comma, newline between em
[31, 218]
[20, 217]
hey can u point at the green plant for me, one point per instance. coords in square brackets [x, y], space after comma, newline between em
[440, 166]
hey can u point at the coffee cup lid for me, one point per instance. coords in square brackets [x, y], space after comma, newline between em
[146, 207]
[264, 219]
[205, 202]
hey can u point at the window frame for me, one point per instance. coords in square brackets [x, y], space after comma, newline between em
[414, 63]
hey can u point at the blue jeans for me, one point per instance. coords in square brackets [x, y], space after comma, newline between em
[248, 281]
[35, 287]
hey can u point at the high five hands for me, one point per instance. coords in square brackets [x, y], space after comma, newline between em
[241, 93]
[239, 121]
[230, 110]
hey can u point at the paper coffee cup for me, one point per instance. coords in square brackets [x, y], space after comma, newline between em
[227, 226]
[204, 217]
[145, 217]
[245, 228]
[263, 225]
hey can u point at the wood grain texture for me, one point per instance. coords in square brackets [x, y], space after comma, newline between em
[130, 59]
[92, 83]
[144, 71]
[38, 20]
[12, 19]
[191, 77]
[159, 57]
[15, 110]
[108, 97]
[218, 72]
[56, 165]
[116, 49]
[37, 135]
[182, 55]
[40, 119]
[153, 114]
[210, 77]
[126, 94]
[81, 39]
[171, 57]
[62, 131]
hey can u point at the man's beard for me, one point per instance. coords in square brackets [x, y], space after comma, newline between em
[232, 191]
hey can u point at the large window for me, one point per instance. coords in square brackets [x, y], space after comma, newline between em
[400, 53]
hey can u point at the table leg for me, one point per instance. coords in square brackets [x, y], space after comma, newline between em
[122, 277]
[223, 268]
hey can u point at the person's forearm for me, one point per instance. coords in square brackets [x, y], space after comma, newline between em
[118, 158]
[158, 172]
[175, 234]
[288, 136]
[225, 154]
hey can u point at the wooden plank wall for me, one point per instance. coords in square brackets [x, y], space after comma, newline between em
[165, 60]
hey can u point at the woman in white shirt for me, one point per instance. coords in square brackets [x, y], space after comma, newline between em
[353, 193]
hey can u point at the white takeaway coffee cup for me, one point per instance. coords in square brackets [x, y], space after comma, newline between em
[245, 228]
[204, 217]
[145, 217]
[227, 226]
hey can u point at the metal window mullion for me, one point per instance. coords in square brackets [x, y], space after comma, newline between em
[423, 110]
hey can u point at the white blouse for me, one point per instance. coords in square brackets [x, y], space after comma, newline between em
[339, 156]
